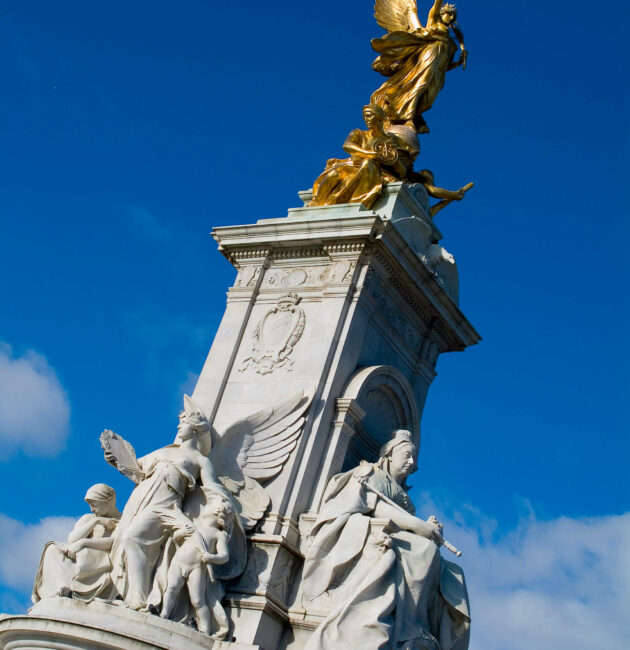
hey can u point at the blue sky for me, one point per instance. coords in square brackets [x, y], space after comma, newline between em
[129, 129]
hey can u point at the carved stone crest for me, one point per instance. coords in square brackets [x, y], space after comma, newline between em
[275, 336]
[247, 276]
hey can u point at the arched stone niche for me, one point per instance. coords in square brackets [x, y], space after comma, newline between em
[386, 401]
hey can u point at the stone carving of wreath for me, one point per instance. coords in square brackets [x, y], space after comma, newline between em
[275, 336]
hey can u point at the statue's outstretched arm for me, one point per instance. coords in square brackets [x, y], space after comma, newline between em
[463, 54]
[434, 13]
[100, 544]
[441, 193]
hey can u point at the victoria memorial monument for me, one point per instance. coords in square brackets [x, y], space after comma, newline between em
[277, 516]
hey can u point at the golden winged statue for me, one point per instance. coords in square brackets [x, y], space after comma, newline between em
[415, 58]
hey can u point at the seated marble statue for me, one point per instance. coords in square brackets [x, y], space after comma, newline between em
[374, 160]
[406, 596]
[200, 546]
[164, 478]
[81, 567]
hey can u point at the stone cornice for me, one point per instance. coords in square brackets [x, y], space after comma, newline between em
[359, 233]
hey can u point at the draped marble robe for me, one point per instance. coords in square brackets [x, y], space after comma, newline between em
[406, 597]
[85, 577]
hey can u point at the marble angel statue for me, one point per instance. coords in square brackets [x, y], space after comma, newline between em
[176, 484]
[415, 58]
[390, 588]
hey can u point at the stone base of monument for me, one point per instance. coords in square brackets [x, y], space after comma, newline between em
[66, 624]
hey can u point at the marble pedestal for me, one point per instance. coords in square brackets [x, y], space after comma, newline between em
[67, 624]
[354, 305]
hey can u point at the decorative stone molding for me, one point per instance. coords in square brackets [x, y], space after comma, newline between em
[271, 565]
[237, 256]
[275, 336]
[444, 268]
[349, 413]
[450, 343]
[247, 276]
[387, 401]
[289, 253]
[315, 276]
[69, 624]
[346, 247]
[407, 331]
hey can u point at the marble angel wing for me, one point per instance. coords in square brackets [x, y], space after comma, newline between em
[254, 450]
[397, 15]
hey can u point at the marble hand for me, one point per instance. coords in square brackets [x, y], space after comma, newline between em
[72, 549]
[183, 533]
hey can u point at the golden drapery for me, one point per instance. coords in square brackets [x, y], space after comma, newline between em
[416, 65]
[351, 180]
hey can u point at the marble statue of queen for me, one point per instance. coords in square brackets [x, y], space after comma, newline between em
[167, 476]
[408, 597]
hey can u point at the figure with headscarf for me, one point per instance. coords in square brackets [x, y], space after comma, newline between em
[387, 588]
[81, 567]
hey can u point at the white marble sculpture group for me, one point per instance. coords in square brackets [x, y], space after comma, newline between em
[181, 535]
[374, 565]
[279, 518]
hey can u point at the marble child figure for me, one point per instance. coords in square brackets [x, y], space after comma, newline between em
[200, 547]
[81, 567]
[406, 596]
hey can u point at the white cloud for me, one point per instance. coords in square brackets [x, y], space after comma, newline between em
[22, 546]
[563, 583]
[34, 408]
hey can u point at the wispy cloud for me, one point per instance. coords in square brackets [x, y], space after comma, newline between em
[563, 583]
[34, 407]
[22, 545]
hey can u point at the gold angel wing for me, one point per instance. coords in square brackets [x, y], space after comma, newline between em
[254, 450]
[397, 15]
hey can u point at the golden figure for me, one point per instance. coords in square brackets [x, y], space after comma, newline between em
[415, 58]
[376, 157]
[447, 196]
